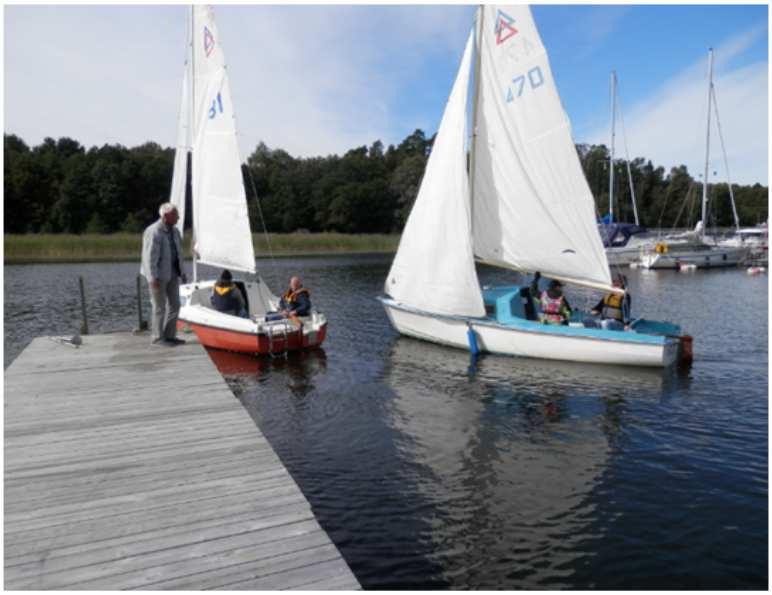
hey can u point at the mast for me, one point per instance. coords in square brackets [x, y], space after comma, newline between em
[475, 98]
[192, 132]
[707, 145]
[726, 162]
[611, 154]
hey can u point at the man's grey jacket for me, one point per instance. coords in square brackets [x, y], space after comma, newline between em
[157, 252]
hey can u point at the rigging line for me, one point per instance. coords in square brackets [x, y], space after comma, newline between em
[627, 157]
[726, 161]
[688, 199]
[262, 221]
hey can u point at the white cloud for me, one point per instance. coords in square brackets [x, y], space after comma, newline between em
[669, 126]
[309, 79]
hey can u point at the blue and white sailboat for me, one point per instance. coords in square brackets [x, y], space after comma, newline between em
[524, 205]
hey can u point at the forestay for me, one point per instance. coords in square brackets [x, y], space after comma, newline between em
[222, 236]
[532, 207]
[434, 266]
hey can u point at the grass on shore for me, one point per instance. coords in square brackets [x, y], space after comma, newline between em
[40, 248]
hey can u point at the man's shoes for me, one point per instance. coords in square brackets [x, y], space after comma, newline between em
[158, 341]
[175, 341]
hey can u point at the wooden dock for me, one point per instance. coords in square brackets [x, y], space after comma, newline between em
[130, 466]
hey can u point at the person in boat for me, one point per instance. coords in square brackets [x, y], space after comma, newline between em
[296, 301]
[226, 296]
[614, 309]
[162, 267]
[554, 306]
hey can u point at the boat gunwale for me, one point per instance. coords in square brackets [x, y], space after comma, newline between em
[541, 329]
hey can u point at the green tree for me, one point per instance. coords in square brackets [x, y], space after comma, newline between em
[404, 184]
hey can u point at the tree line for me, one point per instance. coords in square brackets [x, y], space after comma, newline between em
[61, 186]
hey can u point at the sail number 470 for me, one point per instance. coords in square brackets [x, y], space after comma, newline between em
[535, 79]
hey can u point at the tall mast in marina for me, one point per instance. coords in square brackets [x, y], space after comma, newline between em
[707, 146]
[611, 152]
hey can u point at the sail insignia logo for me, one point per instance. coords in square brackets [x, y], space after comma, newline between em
[504, 28]
[208, 41]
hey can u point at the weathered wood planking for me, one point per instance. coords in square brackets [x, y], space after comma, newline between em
[129, 466]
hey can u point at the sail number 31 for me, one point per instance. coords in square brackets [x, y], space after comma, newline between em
[215, 107]
[535, 79]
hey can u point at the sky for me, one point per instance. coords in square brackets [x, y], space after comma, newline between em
[322, 79]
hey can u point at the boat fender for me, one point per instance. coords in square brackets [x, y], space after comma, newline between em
[661, 248]
[685, 355]
[471, 336]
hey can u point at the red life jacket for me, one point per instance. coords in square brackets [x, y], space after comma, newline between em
[551, 308]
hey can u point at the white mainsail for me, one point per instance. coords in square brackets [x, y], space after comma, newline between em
[222, 236]
[532, 207]
[179, 175]
[434, 266]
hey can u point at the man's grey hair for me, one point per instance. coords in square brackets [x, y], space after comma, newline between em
[167, 207]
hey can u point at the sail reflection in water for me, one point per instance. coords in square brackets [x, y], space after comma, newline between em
[509, 456]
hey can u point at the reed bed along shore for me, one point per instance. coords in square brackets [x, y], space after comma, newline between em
[50, 248]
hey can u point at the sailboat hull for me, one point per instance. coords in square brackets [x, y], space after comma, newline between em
[274, 341]
[254, 335]
[709, 258]
[535, 340]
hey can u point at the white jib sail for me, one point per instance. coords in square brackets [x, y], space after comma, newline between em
[222, 234]
[434, 268]
[532, 207]
[179, 177]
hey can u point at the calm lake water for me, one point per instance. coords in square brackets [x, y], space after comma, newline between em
[430, 470]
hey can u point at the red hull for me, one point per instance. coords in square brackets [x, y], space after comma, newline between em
[253, 343]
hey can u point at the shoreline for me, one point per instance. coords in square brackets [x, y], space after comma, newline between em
[133, 258]
[125, 247]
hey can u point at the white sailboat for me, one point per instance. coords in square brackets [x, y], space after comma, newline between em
[525, 206]
[623, 241]
[699, 253]
[221, 233]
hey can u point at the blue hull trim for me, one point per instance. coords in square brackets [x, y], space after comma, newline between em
[530, 326]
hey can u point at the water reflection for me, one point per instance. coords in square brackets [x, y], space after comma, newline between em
[300, 368]
[515, 473]
[509, 456]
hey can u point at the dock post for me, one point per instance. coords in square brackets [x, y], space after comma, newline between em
[142, 324]
[84, 326]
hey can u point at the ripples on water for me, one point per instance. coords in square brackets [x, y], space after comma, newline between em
[430, 470]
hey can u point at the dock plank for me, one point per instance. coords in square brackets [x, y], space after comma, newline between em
[131, 466]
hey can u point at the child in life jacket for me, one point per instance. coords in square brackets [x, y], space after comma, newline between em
[554, 306]
[614, 309]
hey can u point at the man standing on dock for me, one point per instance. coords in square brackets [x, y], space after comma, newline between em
[162, 267]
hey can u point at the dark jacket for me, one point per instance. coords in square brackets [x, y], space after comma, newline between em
[228, 299]
[297, 302]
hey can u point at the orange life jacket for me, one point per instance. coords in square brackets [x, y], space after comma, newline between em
[290, 297]
[612, 307]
